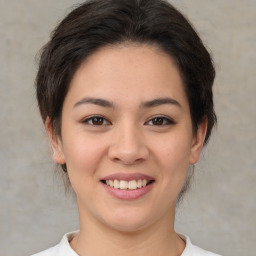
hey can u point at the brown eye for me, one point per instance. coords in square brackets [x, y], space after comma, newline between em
[159, 121]
[96, 120]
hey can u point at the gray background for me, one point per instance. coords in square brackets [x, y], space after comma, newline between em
[219, 213]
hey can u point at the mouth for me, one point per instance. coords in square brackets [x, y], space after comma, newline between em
[127, 185]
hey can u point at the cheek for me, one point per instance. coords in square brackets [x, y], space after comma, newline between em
[173, 157]
[82, 157]
[174, 150]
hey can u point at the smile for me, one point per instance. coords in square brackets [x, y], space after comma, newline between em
[127, 185]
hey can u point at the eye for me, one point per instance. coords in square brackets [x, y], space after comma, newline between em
[96, 120]
[160, 121]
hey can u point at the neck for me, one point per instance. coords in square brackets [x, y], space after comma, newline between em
[96, 238]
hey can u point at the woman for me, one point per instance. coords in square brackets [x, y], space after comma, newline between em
[125, 91]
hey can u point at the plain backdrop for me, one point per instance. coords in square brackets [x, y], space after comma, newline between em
[219, 213]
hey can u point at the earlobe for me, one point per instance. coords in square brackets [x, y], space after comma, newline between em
[198, 142]
[56, 144]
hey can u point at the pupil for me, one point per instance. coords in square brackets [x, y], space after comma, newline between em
[158, 121]
[97, 120]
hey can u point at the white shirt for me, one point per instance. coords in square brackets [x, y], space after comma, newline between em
[64, 248]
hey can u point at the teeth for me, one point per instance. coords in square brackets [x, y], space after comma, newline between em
[123, 184]
[116, 184]
[132, 184]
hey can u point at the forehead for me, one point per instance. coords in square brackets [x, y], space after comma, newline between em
[128, 71]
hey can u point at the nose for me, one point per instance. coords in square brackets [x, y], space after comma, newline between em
[128, 146]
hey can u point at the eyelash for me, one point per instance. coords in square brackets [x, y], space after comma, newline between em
[91, 119]
[103, 121]
[165, 121]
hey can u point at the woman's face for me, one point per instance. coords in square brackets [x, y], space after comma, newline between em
[127, 137]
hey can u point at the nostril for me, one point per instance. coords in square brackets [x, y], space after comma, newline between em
[128, 153]
[127, 161]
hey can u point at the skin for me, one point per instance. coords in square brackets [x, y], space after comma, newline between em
[127, 140]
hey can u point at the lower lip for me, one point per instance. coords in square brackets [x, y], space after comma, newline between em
[126, 194]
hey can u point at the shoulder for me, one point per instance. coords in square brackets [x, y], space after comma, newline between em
[49, 252]
[61, 249]
[193, 250]
[201, 252]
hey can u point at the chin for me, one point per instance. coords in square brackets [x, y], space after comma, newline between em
[129, 227]
[127, 221]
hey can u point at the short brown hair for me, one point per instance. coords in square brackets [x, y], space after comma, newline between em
[98, 23]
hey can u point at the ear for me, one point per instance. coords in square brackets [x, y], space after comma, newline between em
[198, 142]
[56, 143]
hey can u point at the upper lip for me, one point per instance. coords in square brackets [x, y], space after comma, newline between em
[128, 176]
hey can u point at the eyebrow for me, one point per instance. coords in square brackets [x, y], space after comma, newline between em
[95, 101]
[146, 104]
[160, 101]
